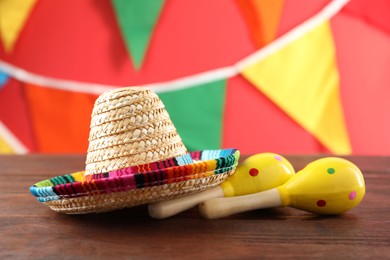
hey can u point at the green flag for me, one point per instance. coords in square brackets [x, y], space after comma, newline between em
[197, 113]
[137, 19]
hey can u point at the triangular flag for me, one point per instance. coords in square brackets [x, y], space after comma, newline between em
[9, 143]
[197, 114]
[5, 148]
[137, 19]
[13, 15]
[302, 79]
[262, 18]
[60, 119]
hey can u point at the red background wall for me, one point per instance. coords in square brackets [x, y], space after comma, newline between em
[80, 40]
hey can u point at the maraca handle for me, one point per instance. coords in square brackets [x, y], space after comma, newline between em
[223, 207]
[168, 208]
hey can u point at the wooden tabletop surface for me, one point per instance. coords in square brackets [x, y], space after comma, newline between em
[29, 229]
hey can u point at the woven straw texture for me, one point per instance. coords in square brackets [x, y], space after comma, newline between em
[119, 200]
[130, 126]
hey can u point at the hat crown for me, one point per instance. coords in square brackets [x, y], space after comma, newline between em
[129, 127]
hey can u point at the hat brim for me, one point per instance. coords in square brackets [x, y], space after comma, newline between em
[77, 193]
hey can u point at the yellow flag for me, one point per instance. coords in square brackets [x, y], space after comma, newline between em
[4, 147]
[302, 79]
[13, 14]
[9, 143]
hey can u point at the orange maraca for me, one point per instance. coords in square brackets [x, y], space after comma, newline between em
[257, 173]
[326, 186]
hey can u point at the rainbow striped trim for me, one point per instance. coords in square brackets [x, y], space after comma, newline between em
[195, 165]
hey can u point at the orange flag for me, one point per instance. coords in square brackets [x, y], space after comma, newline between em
[262, 18]
[60, 119]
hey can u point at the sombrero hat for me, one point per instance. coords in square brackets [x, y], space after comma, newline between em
[135, 156]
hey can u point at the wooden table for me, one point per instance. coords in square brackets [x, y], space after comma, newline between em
[31, 230]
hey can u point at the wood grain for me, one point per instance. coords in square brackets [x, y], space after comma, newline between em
[30, 230]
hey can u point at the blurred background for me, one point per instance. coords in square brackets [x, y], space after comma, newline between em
[284, 76]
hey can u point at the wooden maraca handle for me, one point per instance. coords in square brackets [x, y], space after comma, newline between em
[223, 207]
[168, 208]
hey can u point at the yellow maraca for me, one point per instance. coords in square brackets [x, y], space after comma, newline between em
[326, 186]
[257, 173]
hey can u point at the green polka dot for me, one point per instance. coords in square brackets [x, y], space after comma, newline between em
[331, 171]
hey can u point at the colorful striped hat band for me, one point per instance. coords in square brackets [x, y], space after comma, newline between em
[135, 156]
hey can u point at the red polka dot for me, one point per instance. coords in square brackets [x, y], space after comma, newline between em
[253, 172]
[321, 203]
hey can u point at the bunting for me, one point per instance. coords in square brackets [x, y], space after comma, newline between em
[302, 79]
[55, 126]
[60, 118]
[5, 148]
[9, 143]
[262, 18]
[197, 114]
[137, 19]
[13, 15]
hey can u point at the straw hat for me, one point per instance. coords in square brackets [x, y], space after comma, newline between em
[135, 156]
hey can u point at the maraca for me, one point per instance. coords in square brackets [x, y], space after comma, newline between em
[326, 186]
[257, 173]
